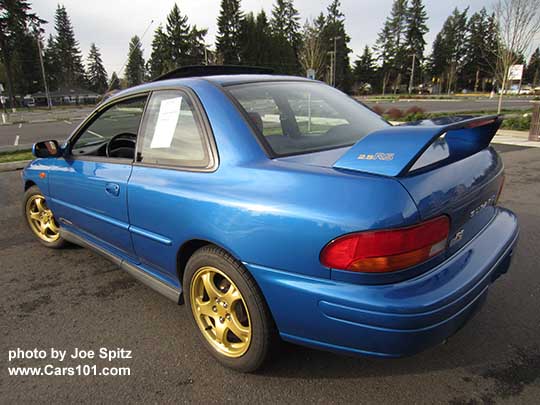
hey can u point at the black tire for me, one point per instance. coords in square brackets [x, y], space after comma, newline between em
[30, 193]
[263, 330]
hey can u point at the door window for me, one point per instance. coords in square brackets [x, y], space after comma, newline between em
[172, 132]
[113, 134]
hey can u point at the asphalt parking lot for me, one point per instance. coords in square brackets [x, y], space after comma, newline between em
[74, 298]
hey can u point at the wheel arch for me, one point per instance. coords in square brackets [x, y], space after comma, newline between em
[28, 184]
[188, 248]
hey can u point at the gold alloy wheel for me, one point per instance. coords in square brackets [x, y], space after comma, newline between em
[220, 312]
[41, 219]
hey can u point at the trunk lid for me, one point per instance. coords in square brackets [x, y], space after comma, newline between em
[446, 165]
[466, 191]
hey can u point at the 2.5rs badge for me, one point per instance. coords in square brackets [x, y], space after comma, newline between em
[376, 156]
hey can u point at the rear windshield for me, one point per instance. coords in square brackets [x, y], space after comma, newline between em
[303, 117]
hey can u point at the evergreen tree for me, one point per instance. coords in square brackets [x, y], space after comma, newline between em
[285, 22]
[391, 45]
[449, 49]
[364, 71]
[26, 66]
[114, 84]
[159, 59]
[196, 48]
[285, 30]
[135, 67]
[414, 37]
[178, 45]
[96, 74]
[480, 50]
[66, 49]
[532, 74]
[259, 46]
[229, 31]
[177, 29]
[334, 33]
[52, 64]
[15, 20]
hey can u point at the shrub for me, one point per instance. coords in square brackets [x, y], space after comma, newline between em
[415, 113]
[518, 123]
[414, 110]
[378, 109]
[395, 113]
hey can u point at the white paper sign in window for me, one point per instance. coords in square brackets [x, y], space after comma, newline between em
[169, 111]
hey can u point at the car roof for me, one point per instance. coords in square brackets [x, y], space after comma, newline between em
[227, 80]
[220, 80]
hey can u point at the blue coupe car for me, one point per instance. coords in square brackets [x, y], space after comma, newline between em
[276, 206]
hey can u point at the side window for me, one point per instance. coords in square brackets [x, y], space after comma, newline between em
[172, 132]
[113, 133]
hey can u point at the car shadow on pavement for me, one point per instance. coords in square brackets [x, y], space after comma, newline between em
[469, 349]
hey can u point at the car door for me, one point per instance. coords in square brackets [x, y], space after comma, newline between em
[175, 158]
[89, 188]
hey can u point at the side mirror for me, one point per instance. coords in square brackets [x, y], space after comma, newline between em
[46, 149]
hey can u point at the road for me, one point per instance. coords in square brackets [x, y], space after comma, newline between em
[28, 133]
[454, 105]
[74, 298]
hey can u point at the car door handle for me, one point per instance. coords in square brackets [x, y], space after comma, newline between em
[113, 189]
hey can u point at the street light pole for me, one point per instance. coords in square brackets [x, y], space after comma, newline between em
[411, 81]
[49, 104]
[335, 61]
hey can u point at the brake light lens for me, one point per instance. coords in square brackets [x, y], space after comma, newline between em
[387, 250]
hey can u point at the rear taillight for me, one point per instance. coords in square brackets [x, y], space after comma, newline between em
[387, 250]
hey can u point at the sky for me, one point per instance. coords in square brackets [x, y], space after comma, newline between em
[111, 23]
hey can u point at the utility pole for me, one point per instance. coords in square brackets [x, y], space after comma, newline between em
[411, 81]
[335, 61]
[331, 68]
[49, 104]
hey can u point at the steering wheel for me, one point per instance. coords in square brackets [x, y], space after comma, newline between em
[122, 146]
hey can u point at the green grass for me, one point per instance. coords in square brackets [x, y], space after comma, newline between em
[16, 156]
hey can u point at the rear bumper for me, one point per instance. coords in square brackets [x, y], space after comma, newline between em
[391, 320]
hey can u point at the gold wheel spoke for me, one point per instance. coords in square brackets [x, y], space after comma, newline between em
[232, 295]
[221, 332]
[47, 227]
[52, 225]
[205, 307]
[35, 216]
[240, 331]
[209, 286]
[39, 204]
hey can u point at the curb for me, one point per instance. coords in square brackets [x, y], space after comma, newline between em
[11, 166]
[18, 148]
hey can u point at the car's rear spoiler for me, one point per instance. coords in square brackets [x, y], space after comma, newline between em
[393, 151]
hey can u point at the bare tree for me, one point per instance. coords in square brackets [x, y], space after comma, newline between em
[518, 22]
[312, 53]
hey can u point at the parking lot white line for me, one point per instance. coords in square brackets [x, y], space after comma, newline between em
[67, 122]
[20, 125]
[95, 133]
[16, 141]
